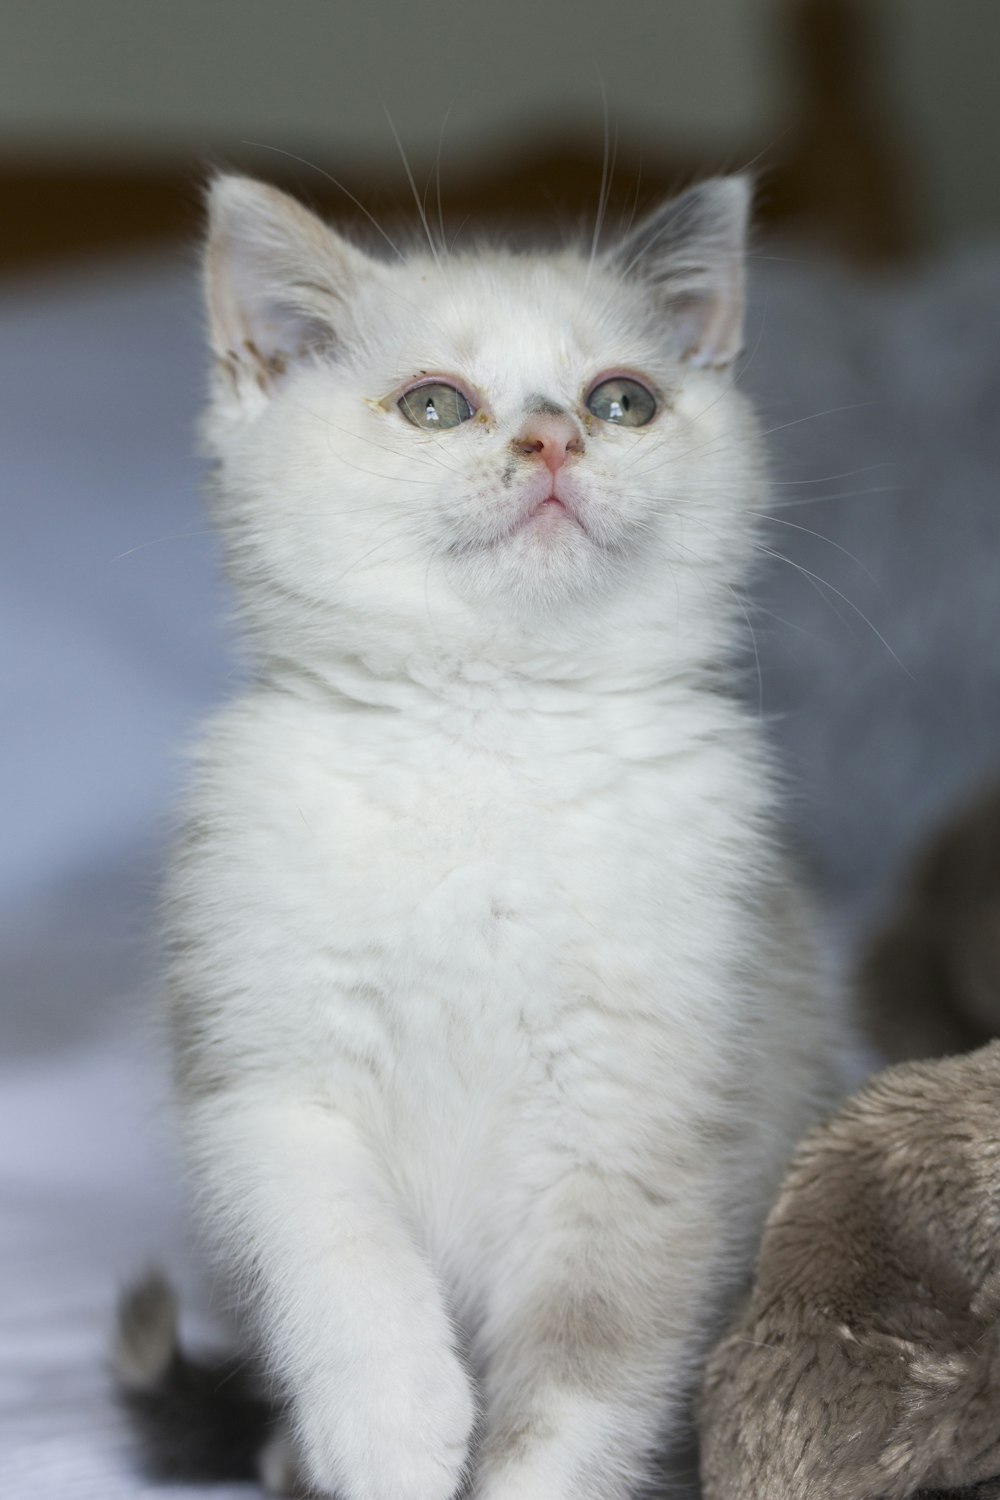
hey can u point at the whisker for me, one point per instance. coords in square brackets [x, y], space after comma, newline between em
[770, 614]
[756, 653]
[813, 416]
[707, 449]
[357, 562]
[625, 225]
[764, 150]
[375, 474]
[437, 174]
[449, 249]
[413, 188]
[777, 521]
[405, 454]
[760, 334]
[280, 151]
[173, 536]
[821, 583]
[359, 510]
[830, 478]
[879, 489]
[741, 603]
[602, 199]
[645, 448]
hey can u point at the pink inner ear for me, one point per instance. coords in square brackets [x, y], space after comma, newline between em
[692, 254]
[251, 320]
[276, 277]
[710, 327]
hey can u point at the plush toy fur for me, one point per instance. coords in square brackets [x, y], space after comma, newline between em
[866, 1364]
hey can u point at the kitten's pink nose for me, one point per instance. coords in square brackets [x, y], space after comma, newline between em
[552, 437]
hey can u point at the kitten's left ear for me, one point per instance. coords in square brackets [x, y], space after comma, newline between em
[691, 254]
[278, 283]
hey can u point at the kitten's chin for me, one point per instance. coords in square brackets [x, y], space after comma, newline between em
[548, 531]
[547, 520]
[542, 547]
[547, 560]
[548, 517]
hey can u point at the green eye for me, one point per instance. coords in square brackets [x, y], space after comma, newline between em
[434, 407]
[622, 401]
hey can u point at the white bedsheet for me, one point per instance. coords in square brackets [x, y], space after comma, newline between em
[110, 609]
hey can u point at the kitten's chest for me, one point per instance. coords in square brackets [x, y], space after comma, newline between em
[553, 994]
[440, 912]
[488, 908]
[483, 866]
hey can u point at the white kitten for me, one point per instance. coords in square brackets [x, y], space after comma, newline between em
[495, 1013]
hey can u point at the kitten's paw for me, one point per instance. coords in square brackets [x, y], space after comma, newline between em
[399, 1434]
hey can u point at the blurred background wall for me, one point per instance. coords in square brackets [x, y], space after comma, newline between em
[873, 127]
[869, 120]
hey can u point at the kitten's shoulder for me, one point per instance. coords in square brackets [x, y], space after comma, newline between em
[255, 758]
[263, 722]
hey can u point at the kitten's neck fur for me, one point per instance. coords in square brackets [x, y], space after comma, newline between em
[528, 679]
[451, 656]
[570, 734]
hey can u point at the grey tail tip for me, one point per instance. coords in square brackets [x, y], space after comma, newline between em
[145, 1342]
[195, 1420]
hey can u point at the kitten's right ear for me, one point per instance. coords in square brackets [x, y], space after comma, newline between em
[278, 283]
[691, 255]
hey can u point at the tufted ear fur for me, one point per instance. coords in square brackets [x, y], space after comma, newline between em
[691, 253]
[278, 283]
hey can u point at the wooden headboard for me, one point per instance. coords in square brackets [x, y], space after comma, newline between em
[836, 172]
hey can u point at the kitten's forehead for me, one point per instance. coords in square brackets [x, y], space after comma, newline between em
[528, 327]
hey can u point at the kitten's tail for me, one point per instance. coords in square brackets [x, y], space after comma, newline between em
[194, 1421]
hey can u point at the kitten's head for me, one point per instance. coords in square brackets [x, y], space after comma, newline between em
[461, 451]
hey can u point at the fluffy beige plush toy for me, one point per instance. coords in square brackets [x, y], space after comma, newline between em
[866, 1364]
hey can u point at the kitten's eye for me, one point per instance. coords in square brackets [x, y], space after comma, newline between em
[434, 407]
[622, 401]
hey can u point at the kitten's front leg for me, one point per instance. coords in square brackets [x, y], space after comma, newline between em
[592, 1340]
[352, 1320]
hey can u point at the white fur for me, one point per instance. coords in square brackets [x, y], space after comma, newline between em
[496, 1011]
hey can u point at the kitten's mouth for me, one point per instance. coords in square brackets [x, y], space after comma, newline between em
[550, 506]
[551, 511]
[544, 514]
